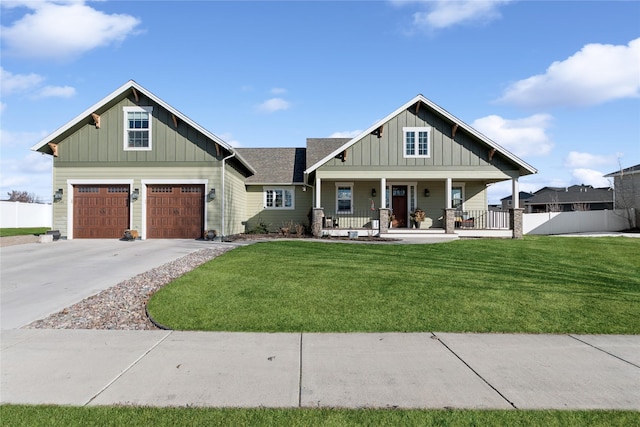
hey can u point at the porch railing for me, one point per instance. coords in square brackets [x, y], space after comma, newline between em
[482, 220]
[359, 219]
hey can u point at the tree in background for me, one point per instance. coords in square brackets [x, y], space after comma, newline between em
[22, 196]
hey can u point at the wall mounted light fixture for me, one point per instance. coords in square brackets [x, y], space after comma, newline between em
[426, 192]
[374, 193]
[212, 194]
[135, 194]
[57, 196]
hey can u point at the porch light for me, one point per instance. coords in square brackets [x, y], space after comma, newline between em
[426, 192]
[57, 196]
[374, 193]
[135, 194]
[212, 194]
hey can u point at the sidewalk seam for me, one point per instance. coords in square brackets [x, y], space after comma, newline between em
[603, 350]
[474, 371]
[300, 376]
[124, 371]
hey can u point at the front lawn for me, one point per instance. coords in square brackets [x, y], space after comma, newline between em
[143, 416]
[535, 285]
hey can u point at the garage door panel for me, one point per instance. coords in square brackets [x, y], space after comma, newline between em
[175, 211]
[100, 211]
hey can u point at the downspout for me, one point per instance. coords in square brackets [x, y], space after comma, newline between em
[222, 217]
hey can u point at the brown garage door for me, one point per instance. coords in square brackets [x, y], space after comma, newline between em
[175, 211]
[100, 211]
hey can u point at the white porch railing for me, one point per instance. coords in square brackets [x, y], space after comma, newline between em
[482, 220]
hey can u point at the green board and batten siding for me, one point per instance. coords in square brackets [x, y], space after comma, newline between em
[88, 144]
[371, 155]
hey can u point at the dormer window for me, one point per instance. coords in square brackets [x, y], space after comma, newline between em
[417, 142]
[137, 128]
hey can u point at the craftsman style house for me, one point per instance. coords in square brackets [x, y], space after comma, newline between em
[131, 161]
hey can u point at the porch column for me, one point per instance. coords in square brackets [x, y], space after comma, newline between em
[447, 192]
[383, 192]
[516, 222]
[384, 220]
[316, 222]
[515, 193]
[449, 221]
[318, 192]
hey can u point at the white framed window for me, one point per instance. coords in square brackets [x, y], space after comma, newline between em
[279, 198]
[137, 128]
[457, 196]
[344, 197]
[416, 142]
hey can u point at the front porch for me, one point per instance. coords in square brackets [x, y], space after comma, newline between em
[469, 224]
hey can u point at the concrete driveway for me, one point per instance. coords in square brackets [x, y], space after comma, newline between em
[38, 279]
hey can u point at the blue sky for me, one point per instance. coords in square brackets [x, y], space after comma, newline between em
[555, 82]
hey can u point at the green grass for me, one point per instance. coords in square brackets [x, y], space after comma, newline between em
[17, 416]
[535, 285]
[6, 232]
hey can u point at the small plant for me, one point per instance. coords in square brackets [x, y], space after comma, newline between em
[260, 228]
[301, 230]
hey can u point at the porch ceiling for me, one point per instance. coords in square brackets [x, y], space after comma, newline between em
[489, 175]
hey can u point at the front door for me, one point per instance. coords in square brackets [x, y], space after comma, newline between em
[399, 204]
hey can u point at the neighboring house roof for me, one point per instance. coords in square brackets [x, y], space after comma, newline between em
[132, 85]
[573, 194]
[524, 167]
[275, 165]
[523, 195]
[629, 171]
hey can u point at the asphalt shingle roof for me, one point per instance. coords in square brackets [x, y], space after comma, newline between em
[275, 165]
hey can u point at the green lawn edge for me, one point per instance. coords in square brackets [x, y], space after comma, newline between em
[8, 232]
[34, 415]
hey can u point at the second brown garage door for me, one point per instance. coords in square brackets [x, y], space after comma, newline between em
[175, 211]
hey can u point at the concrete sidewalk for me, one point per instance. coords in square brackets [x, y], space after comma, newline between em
[290, 370]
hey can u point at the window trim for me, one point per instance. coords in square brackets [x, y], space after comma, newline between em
[344, 184]
[416, 154]
[139, 109]
[284, 190]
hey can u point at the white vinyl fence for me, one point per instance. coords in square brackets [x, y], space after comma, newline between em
[19, 215]
[575, 222]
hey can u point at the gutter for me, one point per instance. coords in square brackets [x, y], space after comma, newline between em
[222, 213]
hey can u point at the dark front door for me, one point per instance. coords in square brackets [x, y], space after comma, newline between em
[399, 204]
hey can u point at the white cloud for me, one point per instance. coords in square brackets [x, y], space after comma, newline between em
[576, 159]
[10, 139]
[272, 105]
[30, 83]
[16, 83]
[346, 134]
[278, 91]
[3, 107]
[228, 138]
[590, 177]
[446, 13]
[596, 74]
[60, 30]
[31, 173]
[523, 137]
[56, 91]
